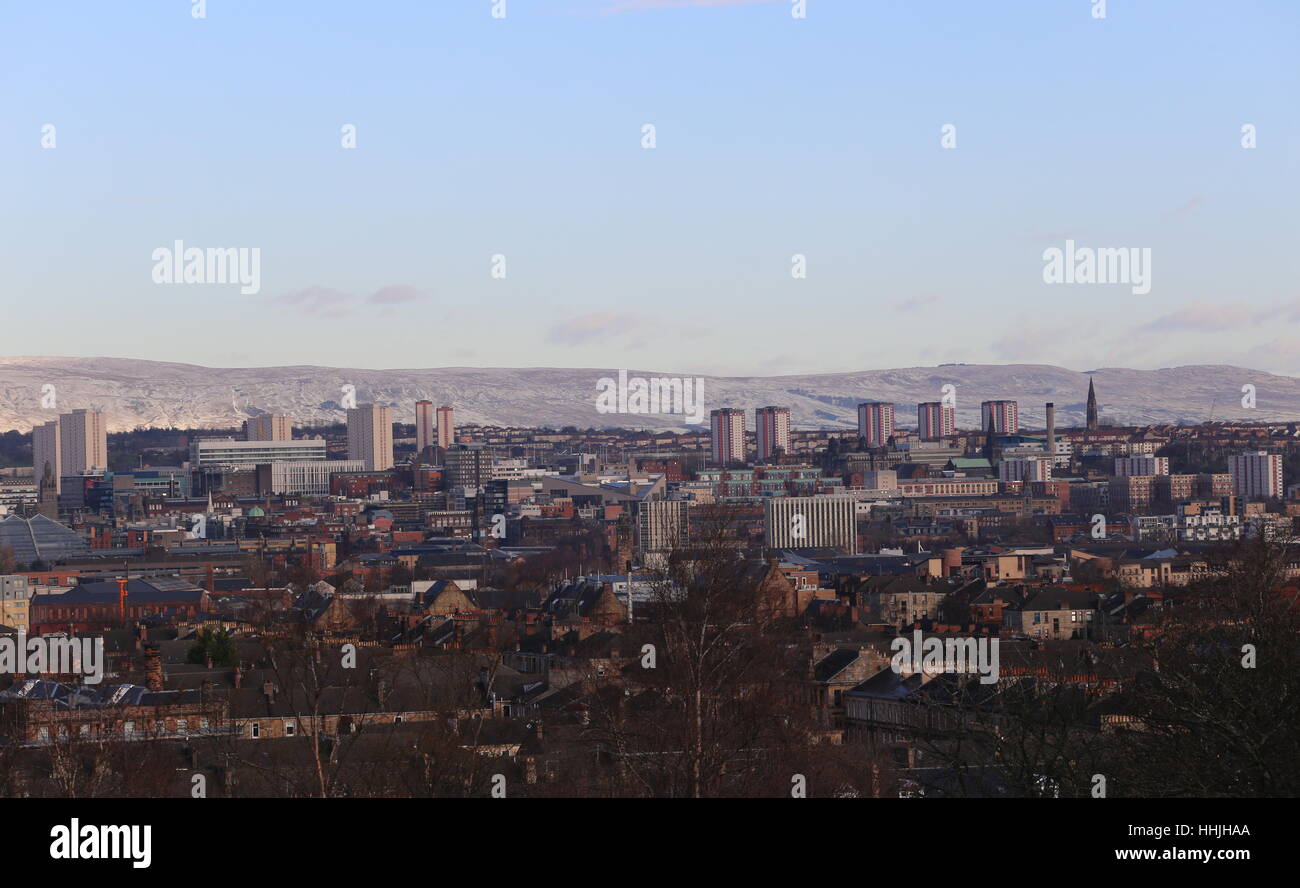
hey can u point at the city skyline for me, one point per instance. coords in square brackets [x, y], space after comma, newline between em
[649, 399]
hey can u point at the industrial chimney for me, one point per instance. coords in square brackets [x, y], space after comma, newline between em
[1051, 431]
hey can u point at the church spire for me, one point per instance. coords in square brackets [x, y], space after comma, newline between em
[1092, 406]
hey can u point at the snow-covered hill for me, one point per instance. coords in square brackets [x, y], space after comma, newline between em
[153, 394]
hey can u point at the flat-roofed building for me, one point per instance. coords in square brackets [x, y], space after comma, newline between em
[423, 426]
[446, 427]
[269, 427]
[309, 477]
[233, 452]
[727, 430]
[370, 436]
[1256, 474]
[83, 442]
[876, 423]
[934, 419]
[800, 522]
[1004, 414]
[15, 596]
[47, 456]
[772, 425]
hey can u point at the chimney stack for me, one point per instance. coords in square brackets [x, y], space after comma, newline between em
[1051, 430]
[153, 671]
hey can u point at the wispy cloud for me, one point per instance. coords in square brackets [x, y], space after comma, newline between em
[1189, 206]
[596, 325]
[1209, 317]
[395, 294]
[324, 301]
[331, 303]
[917, 301]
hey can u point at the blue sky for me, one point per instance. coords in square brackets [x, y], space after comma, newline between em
[775, 136]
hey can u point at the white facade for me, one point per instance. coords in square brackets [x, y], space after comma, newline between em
[309, 477]
[233, 452]
[797, 522]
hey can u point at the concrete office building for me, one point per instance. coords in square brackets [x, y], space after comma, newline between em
[799, 522]
[446, 427]
[370, 436]
[423, 426]
[47, 453]
[268, 427]
[231, 452]
[308, 477]
[83, 442]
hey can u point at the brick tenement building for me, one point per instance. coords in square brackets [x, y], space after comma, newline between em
[98, 607]
[35, 712]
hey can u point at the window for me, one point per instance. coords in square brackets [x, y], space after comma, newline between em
[290, 729]
[128, 728]
[256, 730]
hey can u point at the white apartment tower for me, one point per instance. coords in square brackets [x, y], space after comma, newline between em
[370, 436]
[83, 442]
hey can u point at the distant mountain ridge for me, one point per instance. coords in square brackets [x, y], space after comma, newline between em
[153, 394]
